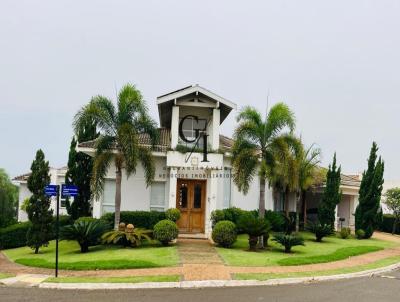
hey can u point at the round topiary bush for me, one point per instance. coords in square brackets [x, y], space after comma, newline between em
[173, 214]
[360, 234]
[224, 233]
[165, 231]
[345, 233]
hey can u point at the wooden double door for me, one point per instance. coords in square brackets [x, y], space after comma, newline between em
[190, 200]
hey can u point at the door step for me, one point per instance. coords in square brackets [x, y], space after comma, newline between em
[192, 236]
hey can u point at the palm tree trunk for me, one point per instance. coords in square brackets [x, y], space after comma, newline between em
[304, 208]
[298, 203]
[261, 207]
[117, 215]
[287, 202]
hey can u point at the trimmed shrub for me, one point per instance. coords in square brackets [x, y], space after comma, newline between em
[288, 241]
[140, 219]
[320, 230]
[387, 224]
[224, 233]
[165, 231]
[276, 219]
[360, 234]
[173, 214]
[217, 216]
[254, 227]
[345, 233]
[86, 231]
[14, 235]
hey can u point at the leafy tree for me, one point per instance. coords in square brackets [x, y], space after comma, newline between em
[38, 209]
[367, 212]
[8, 200]
[120, 128]
[331, 197]
[393, 203]
[256, 141]
[80, 167]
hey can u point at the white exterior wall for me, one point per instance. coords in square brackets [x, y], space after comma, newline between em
[23, 194]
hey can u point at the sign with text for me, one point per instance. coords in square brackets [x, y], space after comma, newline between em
[69, 190]
[51, 190]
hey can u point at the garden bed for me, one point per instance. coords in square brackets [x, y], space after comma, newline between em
[331, 249]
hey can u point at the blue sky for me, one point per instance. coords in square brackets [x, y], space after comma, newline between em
[335, 63]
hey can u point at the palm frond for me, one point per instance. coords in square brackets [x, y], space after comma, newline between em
[146, 158]
[130, 104]
[101, 164]
[100, 111]
[128, 144]
[279, 117]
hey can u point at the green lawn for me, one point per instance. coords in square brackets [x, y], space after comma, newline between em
[267, 276]
[331, 249]
[134, 279]
[3, 275]
[98, 257]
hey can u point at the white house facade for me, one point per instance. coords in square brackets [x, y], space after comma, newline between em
[185, 179]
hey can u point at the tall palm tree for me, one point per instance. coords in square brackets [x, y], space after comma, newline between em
[308, 161]
[120, 127]
[256, 141]
[284, 176]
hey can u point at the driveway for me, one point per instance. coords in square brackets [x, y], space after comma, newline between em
[378, 288]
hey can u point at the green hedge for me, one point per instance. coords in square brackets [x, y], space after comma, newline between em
[15, 235]
[387, 224]
[276, 219]
[140, 219]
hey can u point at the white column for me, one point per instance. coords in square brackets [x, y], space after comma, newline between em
[174, 126]
[211, 205]
[215, 129]
[353, 207]
[172, 188]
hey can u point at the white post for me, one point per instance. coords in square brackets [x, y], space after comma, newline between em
[215, 130]
[174, 126]
[336, 217]
[211, 204]
[172, 188]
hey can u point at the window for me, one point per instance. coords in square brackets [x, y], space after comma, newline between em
[157, 196]
[227, 189]
[197, 196]
[279, 202]
[189, 127]
[108, 205]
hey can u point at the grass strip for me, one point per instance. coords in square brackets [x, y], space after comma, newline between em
[267, 276]
[133, 279]
[89, 265]
[339, 254]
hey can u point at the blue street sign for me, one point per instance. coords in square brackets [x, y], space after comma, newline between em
[50, 190]
[69, 190]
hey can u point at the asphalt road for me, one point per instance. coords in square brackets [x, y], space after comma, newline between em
[378, 288]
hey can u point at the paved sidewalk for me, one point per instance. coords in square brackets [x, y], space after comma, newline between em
[24, 280]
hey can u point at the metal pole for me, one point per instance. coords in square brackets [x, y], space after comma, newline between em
[57, 226]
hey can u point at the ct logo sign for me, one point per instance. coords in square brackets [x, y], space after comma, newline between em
[196, 138]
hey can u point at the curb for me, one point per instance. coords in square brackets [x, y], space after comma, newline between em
[218, 283]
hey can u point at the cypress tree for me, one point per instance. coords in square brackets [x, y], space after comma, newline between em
[367, 212]
[80, 166]
[331, 197]
[38, 209]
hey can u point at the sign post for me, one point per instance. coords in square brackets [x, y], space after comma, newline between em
[66, 191]
[54, 190]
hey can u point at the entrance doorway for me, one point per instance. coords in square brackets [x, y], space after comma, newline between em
[190, 200]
